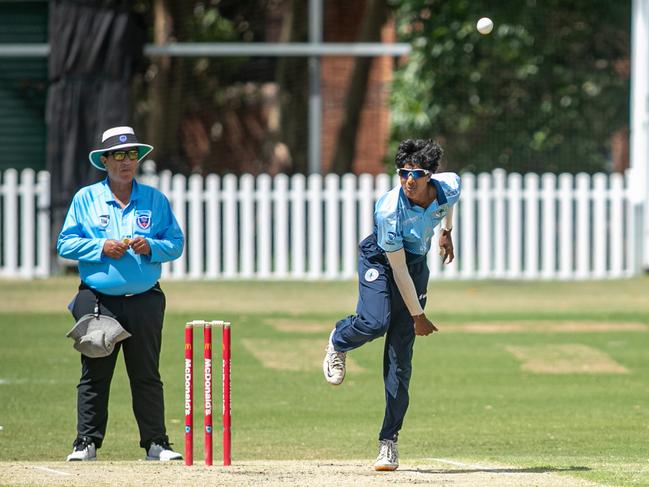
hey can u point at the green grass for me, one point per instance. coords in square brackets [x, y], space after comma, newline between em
[470, 399]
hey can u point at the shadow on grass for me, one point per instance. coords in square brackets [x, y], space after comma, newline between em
[545, 469]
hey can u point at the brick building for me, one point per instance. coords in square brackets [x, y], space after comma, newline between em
[341, 24]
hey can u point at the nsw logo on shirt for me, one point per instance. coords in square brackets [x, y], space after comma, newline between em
[104, 221]
[143, 219]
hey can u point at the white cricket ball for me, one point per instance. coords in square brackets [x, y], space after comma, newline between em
[485, 25]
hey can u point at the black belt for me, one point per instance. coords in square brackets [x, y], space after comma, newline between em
[83, 285]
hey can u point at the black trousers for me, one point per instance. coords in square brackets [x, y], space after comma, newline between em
[142, 316]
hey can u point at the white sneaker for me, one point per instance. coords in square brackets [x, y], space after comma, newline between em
[83, 450]
[333, 365]
[388, 459]
[162, 452]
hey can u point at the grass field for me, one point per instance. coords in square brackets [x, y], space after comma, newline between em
[548, 377]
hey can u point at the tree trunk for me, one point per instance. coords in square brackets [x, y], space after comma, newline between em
[292, 77]
[166, 85]
[374, 19]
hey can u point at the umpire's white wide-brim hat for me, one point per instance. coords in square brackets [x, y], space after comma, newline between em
[96, 336]
[118, 138]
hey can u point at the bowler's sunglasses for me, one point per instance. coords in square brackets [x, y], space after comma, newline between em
[415, 173]
[120, 155]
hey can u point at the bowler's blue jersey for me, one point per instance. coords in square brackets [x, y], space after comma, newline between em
[400, 224]
[95, 216]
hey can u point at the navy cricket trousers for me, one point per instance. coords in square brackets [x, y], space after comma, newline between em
[381, 311]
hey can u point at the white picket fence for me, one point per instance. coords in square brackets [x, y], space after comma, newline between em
[507, 226]
[25, 229]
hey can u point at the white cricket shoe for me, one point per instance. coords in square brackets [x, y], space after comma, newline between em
[162, 452]
[388, 459]
[333, 365]
[83, 449]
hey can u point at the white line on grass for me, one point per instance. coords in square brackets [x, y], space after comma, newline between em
[460, 464]
[51, 470]
[500, 469]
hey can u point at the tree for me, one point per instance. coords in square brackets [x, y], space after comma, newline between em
[376, 12]
[292, 78]
[199, 111]
[544, 91]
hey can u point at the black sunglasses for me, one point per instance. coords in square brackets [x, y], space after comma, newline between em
[120, 155]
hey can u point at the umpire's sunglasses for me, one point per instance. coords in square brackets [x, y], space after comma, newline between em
[120, 155]
[415, 173]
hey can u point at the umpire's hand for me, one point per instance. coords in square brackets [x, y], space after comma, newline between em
[114, 249]
[141, 246]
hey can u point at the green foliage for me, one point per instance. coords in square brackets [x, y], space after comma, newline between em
[543, 92]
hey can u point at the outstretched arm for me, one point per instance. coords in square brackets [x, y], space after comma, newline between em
[397, 260]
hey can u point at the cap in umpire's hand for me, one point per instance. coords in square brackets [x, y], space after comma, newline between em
[96, 336]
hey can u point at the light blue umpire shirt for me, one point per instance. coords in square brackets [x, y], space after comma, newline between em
[400, 224]
[95, 216]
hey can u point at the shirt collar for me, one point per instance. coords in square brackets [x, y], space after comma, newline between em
[439, 200]
[108, 194]
[441, 196]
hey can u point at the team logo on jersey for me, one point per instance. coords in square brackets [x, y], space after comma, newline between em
[104, 220]
[143, 219]
[391, 237]
[371, 275]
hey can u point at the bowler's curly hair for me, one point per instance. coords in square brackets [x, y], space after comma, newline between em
[425, 153]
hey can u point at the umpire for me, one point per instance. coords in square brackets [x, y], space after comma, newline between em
[120, 232]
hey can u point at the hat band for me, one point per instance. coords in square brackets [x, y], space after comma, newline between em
[119, 140]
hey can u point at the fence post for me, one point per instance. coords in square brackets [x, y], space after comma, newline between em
[549, 232]
[314, 196]
[499, 227]
[195, 237]
[616, 225]
[583, 217]
[331, 238]
[43, 223]
[485, 241]
[10, 220]
[599, 220]
[264, 235]
[164, 185]
[247, 227]
[467, 226]
[567, 227]
[230, 223]
[27, 228]
[280, 232]
[179, 203]
[350, 236]
[531, 221]
[298, 226]
[515, 226]
[213, 228]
